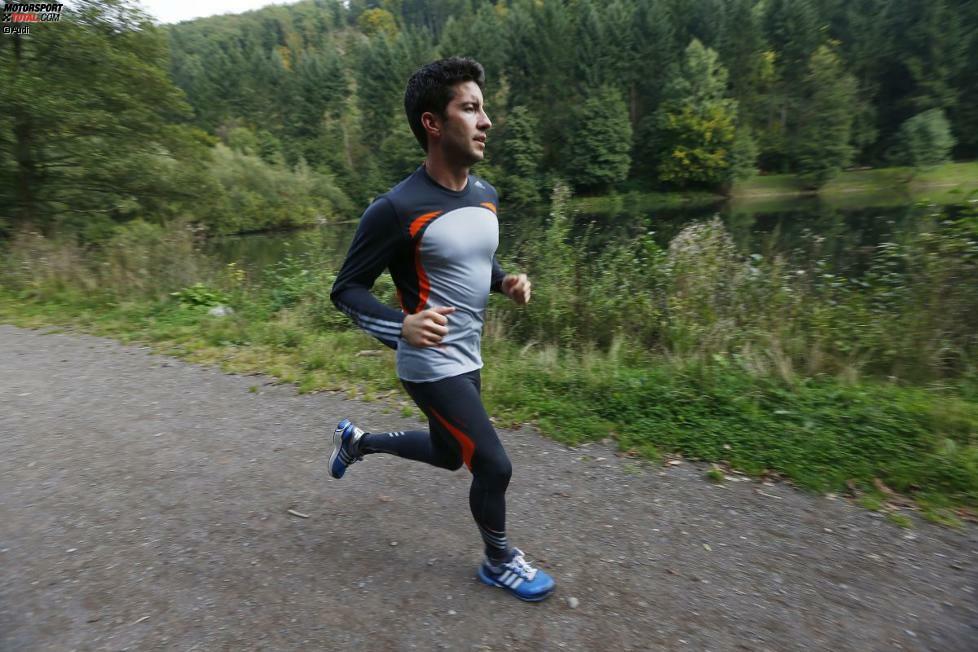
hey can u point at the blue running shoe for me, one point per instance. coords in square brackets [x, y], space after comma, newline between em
[346, 440]
[518, 577]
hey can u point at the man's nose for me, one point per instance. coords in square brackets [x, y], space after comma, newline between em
[484, 121]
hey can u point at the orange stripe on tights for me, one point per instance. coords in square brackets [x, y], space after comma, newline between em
[468, 446]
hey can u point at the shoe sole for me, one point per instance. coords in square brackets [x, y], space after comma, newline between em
[337, 443]
[488, 581]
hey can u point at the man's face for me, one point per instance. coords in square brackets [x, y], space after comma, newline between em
[464, 127]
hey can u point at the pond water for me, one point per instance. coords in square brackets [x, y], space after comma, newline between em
[799, 230]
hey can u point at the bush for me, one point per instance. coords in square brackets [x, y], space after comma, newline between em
[199, 294]
[924, 140]
[250, 194]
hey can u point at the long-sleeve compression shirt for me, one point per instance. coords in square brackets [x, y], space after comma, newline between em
[439, 246]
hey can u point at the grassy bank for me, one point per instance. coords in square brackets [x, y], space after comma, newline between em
[947, 183]
[838, 387]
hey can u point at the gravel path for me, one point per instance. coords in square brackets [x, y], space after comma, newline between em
[144, 505]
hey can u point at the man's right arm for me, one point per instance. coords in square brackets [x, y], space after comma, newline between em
[377, 238]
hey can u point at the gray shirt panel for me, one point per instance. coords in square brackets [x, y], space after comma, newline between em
[456, 253]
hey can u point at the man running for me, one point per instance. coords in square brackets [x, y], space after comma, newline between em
[436, 232]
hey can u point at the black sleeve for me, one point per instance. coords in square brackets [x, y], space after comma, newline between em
[498, 274]
[377, 238]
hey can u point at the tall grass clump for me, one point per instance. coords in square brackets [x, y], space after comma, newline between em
[583, 297]
[37, 267]
[137, 260]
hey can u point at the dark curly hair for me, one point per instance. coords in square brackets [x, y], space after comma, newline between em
[431, 89]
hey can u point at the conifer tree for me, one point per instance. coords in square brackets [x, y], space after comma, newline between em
[599, 150]
[823, 138]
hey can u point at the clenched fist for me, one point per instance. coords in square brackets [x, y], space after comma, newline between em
[428, 327]
[517, 288]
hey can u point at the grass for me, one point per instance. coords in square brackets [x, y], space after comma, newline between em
[715, 475]
[880, 187]
[819, 433]
[949, 183]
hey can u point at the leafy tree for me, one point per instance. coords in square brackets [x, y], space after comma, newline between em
[823, 137]
[599, 152]
[248, 194]
[377, 21]
[694, 129]
[95, 134]
[925, 140]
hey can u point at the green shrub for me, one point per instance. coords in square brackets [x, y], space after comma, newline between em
[199, 294]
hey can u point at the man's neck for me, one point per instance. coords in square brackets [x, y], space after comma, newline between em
[450, 176]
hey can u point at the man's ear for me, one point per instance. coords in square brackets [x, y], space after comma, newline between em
[431, 123]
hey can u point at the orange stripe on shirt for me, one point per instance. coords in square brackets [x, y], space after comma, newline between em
[419, 222]
[468, 446]
[489, 205]
[424, 287]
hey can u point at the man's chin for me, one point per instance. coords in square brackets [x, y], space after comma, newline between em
[469, 161]
[467, 157]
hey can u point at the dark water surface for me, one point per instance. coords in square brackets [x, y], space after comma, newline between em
[802, 231]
